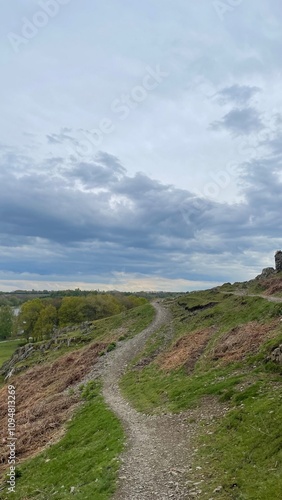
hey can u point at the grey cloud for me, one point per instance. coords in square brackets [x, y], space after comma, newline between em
[54, 139]
[63, 137]
[110, 161]
[136, 222]
[239, 122]
[274, 144]
[94, 175]
[236, 94]
[53, 162]
[103, 171]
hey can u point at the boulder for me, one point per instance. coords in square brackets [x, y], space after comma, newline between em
[276, 355]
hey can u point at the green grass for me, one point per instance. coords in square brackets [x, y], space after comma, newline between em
[132, 321]
[152, 390]
[7, 348]
[86, 458]
[230, 311]
[244, 453]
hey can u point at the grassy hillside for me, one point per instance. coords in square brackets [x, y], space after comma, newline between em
[83, 463]
[50, 396]
[219, 349]
[109, 330]
[216, 348]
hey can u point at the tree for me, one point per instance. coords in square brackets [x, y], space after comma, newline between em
[77, 309]
[99, 306]
[131, 301]
[46, 322]
[28, 317]
[70, 311]
[6, 322]
[107, 305]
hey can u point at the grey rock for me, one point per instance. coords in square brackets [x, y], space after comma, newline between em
[267, 271]
[276, 355]
[278, 261]
[218, 489]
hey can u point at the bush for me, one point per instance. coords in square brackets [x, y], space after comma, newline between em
[111, 347]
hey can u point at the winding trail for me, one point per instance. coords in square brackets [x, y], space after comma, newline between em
[159, 450]
[270, 298]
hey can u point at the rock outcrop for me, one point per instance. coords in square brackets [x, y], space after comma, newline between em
[266, 273]
[278, 261]
[61, 338]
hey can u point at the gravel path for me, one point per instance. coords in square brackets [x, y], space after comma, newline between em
[270, 298]
[159, 450]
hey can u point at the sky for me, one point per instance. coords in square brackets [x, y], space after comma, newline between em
[140, 143]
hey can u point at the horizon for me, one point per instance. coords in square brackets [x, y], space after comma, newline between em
[87, 287]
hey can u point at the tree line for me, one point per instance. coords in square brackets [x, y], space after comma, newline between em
[38, 318]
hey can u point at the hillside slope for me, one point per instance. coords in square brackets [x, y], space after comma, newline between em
[222, 348]
[55, 398]
[200, 404]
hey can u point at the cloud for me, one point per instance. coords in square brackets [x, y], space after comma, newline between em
[63, 137]
[87, 219]
[102, 172]
[239, 122]
[236, 94]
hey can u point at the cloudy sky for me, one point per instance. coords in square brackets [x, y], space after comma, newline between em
[140, 142]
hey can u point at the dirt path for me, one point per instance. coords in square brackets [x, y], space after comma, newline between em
[270, 298]
[159, 449]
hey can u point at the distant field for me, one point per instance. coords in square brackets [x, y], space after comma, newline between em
[7, 347]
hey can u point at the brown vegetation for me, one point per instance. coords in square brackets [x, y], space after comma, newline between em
[243, 340]
[187, 350]
[42, 403]
[272, 285]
